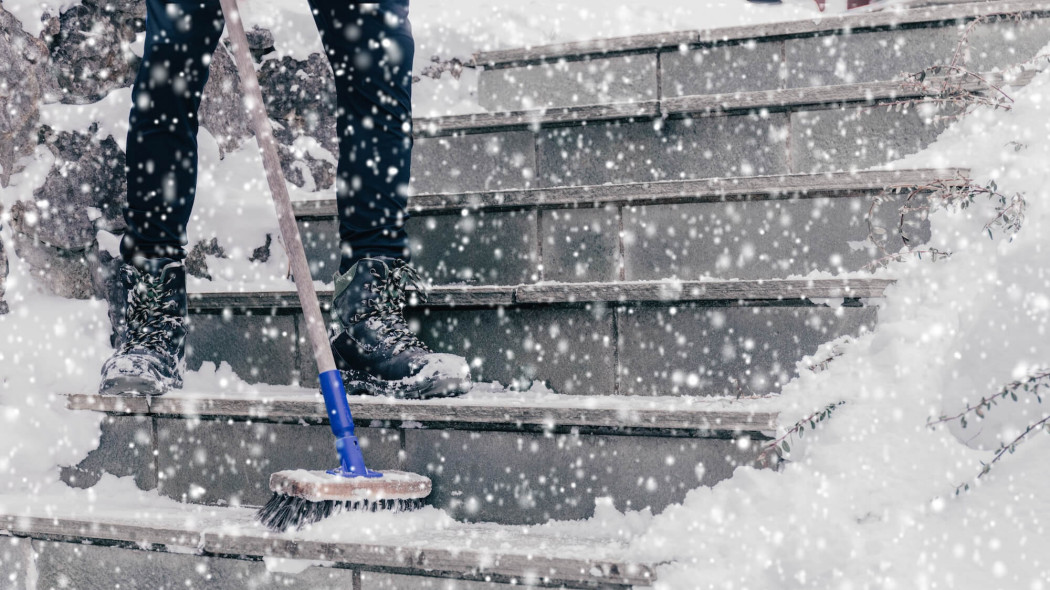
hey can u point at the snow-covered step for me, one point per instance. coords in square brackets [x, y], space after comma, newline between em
[626, 338]
[809, 98]
[754, 227]
[144, 545]
[670, 292]
[488, 408]
[847, 49]
[217, 444]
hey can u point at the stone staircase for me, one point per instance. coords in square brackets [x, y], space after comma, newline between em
[619, 239]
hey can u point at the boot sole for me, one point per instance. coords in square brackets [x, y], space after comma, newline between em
[362, 383]
[130, 386]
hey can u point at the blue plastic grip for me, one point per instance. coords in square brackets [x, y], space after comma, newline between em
[352, 462]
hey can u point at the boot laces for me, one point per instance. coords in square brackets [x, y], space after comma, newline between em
[387, 307]
[152, 316]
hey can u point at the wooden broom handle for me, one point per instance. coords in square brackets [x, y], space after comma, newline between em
[315, 325]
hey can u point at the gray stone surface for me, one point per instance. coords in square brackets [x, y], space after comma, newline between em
[25, 82]
[260, 349]
[630, 78]
[62, 272]
[16, 555]
[569, 349]
[381, 581]
[739, 145]
[485, 162]
[229, 463]
[87, 69]
[724, 351]
[757, 239]
[222, 110]
[866, 56]
[721, 69]
[84, 191]
[855, 139]
[321, 241]
[515, 478]
[494, 248]
[1002, 43]
[88, 567]
[124, 449]
[581, 244]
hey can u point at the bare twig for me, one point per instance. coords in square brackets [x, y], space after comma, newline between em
[799, 428]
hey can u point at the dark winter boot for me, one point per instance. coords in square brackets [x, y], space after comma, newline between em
[149, 358]
[372, 343]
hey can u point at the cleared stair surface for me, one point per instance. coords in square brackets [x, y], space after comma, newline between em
[365, 558]
[500, 410]
[493, 455]
[732, 228]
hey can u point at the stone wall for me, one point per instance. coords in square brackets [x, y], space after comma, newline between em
[79, 57]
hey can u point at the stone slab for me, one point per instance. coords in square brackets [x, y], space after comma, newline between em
[677, 149]
[627, 78]
[581, 244]
[867, 56]
[517, 478]
[260, 348]
[757, 239]
[721, 68]
[571, 350]
[478, 247]
[473, 162]
[731, 351]
[228, 463]
[125, 449]
[66, 565]
[17, 562]
[384, 581]
[852, 138]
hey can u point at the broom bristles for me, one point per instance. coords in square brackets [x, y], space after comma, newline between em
[284, 512]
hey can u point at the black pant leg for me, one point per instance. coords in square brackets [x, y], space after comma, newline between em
[162, 140]
[371, 49]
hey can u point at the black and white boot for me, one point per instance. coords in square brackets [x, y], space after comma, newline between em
[373, 346]
[149, 359]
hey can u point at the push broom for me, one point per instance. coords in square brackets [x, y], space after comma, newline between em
[302, 497]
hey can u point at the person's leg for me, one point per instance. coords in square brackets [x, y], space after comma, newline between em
[370, 48]
[162, 177]
[162, 140]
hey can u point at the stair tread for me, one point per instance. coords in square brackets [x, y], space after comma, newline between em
[489, 405]
[429, 543]
[667, 291]
[670, 191]
[699, 104]
[653, 41]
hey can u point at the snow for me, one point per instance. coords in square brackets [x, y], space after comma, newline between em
[866, 499]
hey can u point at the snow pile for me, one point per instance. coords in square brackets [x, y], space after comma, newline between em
[867, 499]
[48, 346]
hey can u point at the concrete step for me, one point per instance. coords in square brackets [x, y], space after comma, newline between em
[849, 49]
[168, 546]
[493, 455]
[732, 228]
[625, 338]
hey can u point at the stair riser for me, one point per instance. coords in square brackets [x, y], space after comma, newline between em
[749, 65]
[741, 240]
[600, 350]
[796, 140]
[504, 477]
[72, 565]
